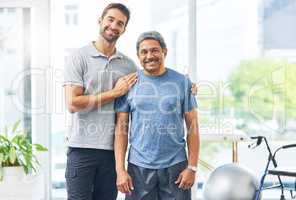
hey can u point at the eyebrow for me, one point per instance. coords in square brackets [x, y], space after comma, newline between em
[111, 17]
[147, 49]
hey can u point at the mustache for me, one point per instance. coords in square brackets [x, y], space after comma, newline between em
[151, 60]
[114, 31]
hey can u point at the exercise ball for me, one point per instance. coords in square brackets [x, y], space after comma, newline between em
[230, 182]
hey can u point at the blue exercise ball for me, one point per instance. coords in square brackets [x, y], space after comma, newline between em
[231, 182]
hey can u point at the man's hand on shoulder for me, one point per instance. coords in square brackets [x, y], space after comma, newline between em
[194, 89]
[124, 83]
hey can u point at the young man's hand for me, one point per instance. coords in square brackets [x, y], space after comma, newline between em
[194, 89]
[124, 182]
[124, 83]
[186, 179]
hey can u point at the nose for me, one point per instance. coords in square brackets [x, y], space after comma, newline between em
[113, 25]
[149, 54]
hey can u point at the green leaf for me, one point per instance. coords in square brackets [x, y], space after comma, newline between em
[40, 147]
[4, 138]
[12, 155]
[18, 150]
[5, 131]
[33, 168]
[1, 158]
[35, 160]
[1, 173]
[15, 126]
[25, 167]
[6, 157]
[16, 139]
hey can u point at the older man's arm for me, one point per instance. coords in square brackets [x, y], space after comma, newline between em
[187, 177]
[124, 181]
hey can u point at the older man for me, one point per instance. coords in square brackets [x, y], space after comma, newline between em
[158, 104]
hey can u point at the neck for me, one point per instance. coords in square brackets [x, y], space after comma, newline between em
[105, 47]
[155, 73]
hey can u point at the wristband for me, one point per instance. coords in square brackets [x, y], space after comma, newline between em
[193, 168]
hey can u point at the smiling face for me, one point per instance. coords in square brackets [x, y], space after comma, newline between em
[152, 56]
[112, 25]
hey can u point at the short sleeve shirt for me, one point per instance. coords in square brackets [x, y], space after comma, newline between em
[96, 73]
[157, 105]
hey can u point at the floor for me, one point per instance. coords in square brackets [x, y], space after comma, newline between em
[267, 195]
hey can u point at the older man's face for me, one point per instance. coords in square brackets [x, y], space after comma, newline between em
[151, 56]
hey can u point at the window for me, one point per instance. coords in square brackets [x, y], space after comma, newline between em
[24, 61]
[71, 15]
[245, 55]
[279, 24]
[15, 91]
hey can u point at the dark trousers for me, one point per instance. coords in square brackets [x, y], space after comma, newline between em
[90, 174]
[157, 184]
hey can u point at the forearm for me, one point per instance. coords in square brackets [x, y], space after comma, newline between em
[120, 143]
[193, 144]
[85, 102]
[120, 152]
[193, 140]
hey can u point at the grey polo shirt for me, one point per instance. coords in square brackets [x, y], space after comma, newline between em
[89, 68]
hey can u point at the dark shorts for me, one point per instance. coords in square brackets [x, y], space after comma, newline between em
[159, 184]
[90, 174]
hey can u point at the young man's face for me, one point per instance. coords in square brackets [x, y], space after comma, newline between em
[151, 56]
[112, 25]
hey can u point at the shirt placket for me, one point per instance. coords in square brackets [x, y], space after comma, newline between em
[108, 75]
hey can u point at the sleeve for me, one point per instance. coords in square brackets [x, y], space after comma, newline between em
[73, 72]
[189, 99]
[122, 104]
[134, 66]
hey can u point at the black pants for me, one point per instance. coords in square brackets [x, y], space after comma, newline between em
[90, 174]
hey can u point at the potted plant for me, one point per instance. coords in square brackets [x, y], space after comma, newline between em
[17, 153]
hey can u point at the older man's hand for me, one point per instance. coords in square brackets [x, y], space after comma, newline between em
[186, 179]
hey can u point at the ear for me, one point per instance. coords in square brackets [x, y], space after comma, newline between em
[123, 30]
[165, 51]
[100, 21]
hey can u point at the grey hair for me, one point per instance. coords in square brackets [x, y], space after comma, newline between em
[154, 35]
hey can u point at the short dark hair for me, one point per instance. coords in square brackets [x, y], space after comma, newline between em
[118, 6]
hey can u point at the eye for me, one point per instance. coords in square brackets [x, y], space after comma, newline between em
[120, 24]
[143, 52]
[155, 51]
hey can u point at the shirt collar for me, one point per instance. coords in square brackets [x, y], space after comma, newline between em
[96, 53]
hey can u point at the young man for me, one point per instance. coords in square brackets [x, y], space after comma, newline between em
[157, 105]
[90, 77]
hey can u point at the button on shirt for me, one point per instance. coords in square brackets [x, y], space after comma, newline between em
[157, 105]
[96, 73]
